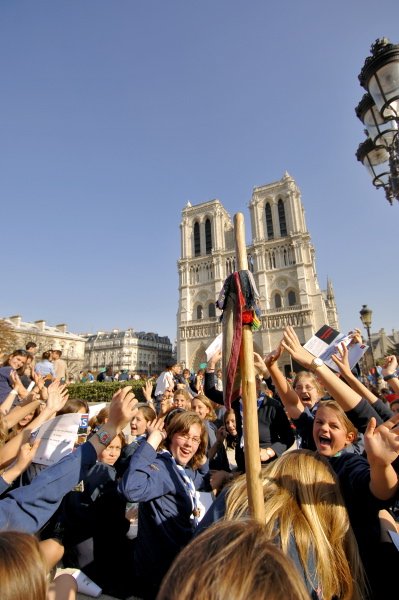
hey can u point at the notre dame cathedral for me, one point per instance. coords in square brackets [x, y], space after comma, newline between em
[280, 256]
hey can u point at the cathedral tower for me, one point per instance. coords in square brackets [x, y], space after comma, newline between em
[280, 256]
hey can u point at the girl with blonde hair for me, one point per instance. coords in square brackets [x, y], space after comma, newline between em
[306, 517]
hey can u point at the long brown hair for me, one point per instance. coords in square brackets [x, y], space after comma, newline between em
[22, 567]
[303, 499]
[180, 424]
[232, 561]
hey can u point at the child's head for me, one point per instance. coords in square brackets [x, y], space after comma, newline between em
[74, 405]
[308, 388]
[230, 423]
[181, 399]
[203, 407]
[16, 359]
[332, 430]
[17, 550]
[187, 439]
[100, 418]
[111, 453]
[266, 572]
[145, 414]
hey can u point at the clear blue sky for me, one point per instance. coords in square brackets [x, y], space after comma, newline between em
[115, 113]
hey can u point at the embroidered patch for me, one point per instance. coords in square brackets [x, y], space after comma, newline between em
[154, 467]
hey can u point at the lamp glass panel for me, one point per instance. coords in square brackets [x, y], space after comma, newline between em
[377, 164]
[380, 130]
[384, 88]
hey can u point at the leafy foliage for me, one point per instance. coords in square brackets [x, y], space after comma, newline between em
[103, 391]
[8, 338]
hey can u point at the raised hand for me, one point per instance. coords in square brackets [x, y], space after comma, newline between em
[341, 359]
[123, 408]
[24, 458]
[260, 366]
[221, 434]
[147, 390]
[156, 432]
[356, 337]
[17, 384]
[57, 396]
[273, 356]
[382, 443]
[292, 344]
[215, 358]
[390, 366]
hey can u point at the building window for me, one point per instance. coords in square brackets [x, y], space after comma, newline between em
[277, 301]
[197, 241]
[269, 222]
[211, 310]
[208, 237]
[281, 218]
[199, 311]
[291, 298]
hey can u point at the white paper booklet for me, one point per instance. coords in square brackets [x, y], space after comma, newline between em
[58, 437]
[324, 343]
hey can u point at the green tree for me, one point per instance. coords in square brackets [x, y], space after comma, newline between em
[8, 338]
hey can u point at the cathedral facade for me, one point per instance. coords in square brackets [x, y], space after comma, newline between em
[280, 256]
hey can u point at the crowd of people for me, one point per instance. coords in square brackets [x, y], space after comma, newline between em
[154, 504]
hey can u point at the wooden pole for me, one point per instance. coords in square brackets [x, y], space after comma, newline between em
[250, 409]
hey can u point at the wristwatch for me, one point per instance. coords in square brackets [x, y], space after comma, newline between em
[391, 376]
[315, 364]
[104, 437]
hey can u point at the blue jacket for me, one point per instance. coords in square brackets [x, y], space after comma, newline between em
[28, 508]
[165, 526]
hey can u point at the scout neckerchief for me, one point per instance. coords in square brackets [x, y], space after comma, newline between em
[188, 486]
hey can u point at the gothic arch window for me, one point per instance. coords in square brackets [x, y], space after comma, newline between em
[291, 298]
[269, 222]
[199, 311]
[211, 310]
[197, 241]
[277, 301]
[285, 257]
[281, 218]
[208, 237]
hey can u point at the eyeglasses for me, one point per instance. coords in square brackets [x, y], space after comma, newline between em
[187, 438]
[306, 388]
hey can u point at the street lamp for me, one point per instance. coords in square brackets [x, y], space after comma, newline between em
[379, 112]
[365, 317]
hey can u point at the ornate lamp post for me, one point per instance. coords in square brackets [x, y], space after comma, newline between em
[379, 112]
[365, 317]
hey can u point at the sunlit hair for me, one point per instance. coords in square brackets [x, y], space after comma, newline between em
[180, 424]
[341, 416]
[232, 561]
[22, 567]
[122, 438]
[3, 430]
[303, 499]
[73, 405]
[312, 378]
[211, 415]
[19, 352]
[183, 392]
[148, 413]
[100, 418]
